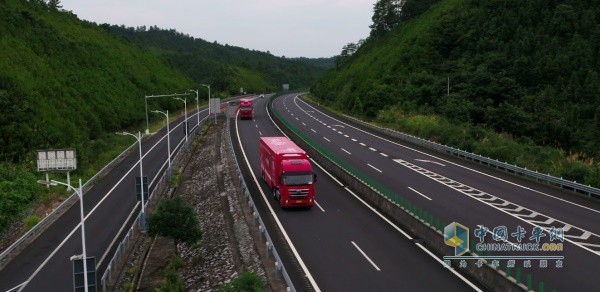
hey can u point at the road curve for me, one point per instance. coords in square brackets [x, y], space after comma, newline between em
[455, 190]
[344, 245]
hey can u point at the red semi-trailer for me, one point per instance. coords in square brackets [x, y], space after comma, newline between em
[246, 109]
[286, 170]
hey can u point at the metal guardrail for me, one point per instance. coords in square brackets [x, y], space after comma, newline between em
[270, 247]
[135, 228]
[537, 176]
[57, 212]
[65, 205]
[405, 213]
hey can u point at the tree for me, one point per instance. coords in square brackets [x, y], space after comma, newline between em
[54, 4]
[414, 8]
[386, 16]
[176, 219]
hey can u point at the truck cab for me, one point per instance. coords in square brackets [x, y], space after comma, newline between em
[287, 171]
[246, 108]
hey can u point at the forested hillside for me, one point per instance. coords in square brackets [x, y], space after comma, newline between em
[65, 83]
[225, 67]
[526, 69]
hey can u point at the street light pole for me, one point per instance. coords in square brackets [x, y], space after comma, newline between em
[139, 140]
[79, 193]
[147, 123]
[168, 137]
[197, 108]
[185, 117]
[208, 86]
[146, 103]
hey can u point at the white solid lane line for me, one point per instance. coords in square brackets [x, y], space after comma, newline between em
[366, 257]
[373, 167]
[452, 163]
[266, 200]
[319, 206]
[426, 197]
[346, 151]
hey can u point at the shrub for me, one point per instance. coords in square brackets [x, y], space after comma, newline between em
[247, 282]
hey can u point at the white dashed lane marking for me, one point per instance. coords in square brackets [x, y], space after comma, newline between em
[373, 167]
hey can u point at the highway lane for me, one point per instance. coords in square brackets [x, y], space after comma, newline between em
[343, 244]
[46, 262]
[578, 211]
[401, 168]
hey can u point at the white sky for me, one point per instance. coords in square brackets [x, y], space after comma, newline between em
[291, 28]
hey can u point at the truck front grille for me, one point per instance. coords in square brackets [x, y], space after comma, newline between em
[297, 194]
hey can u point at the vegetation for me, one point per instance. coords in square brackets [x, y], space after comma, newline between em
[517, 80]
[31, 221]
[65, 83]
[18, 188]
[173, 282]
[68, 83]
[246, 281]
[176, 219]
[226, 68]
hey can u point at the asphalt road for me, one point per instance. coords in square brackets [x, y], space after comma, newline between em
[458, 191]
[109, 206]
[343, 244]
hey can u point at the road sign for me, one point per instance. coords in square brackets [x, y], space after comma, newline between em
[215, 105]
[137, 188]
[57, 160]
[78, 274]
[186, 127]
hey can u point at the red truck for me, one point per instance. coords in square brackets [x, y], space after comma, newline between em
[246, 109]
[286, 170]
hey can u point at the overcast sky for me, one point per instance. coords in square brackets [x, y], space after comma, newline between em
[291, 28]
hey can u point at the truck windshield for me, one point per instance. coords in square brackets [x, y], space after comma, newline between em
[298, 179]
[246, 108]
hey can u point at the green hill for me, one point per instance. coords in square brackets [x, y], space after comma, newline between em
[223, 65]
[66, 83]
[69, 83]
[527, 70]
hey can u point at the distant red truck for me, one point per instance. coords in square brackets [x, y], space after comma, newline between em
[246, 108]
[286, 170]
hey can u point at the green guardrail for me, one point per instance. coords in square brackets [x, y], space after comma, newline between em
[396, 198]
[401, 201]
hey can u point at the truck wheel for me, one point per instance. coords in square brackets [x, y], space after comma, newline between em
[273, 192]
[276, 195]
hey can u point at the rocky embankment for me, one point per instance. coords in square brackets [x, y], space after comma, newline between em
[231, 242]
